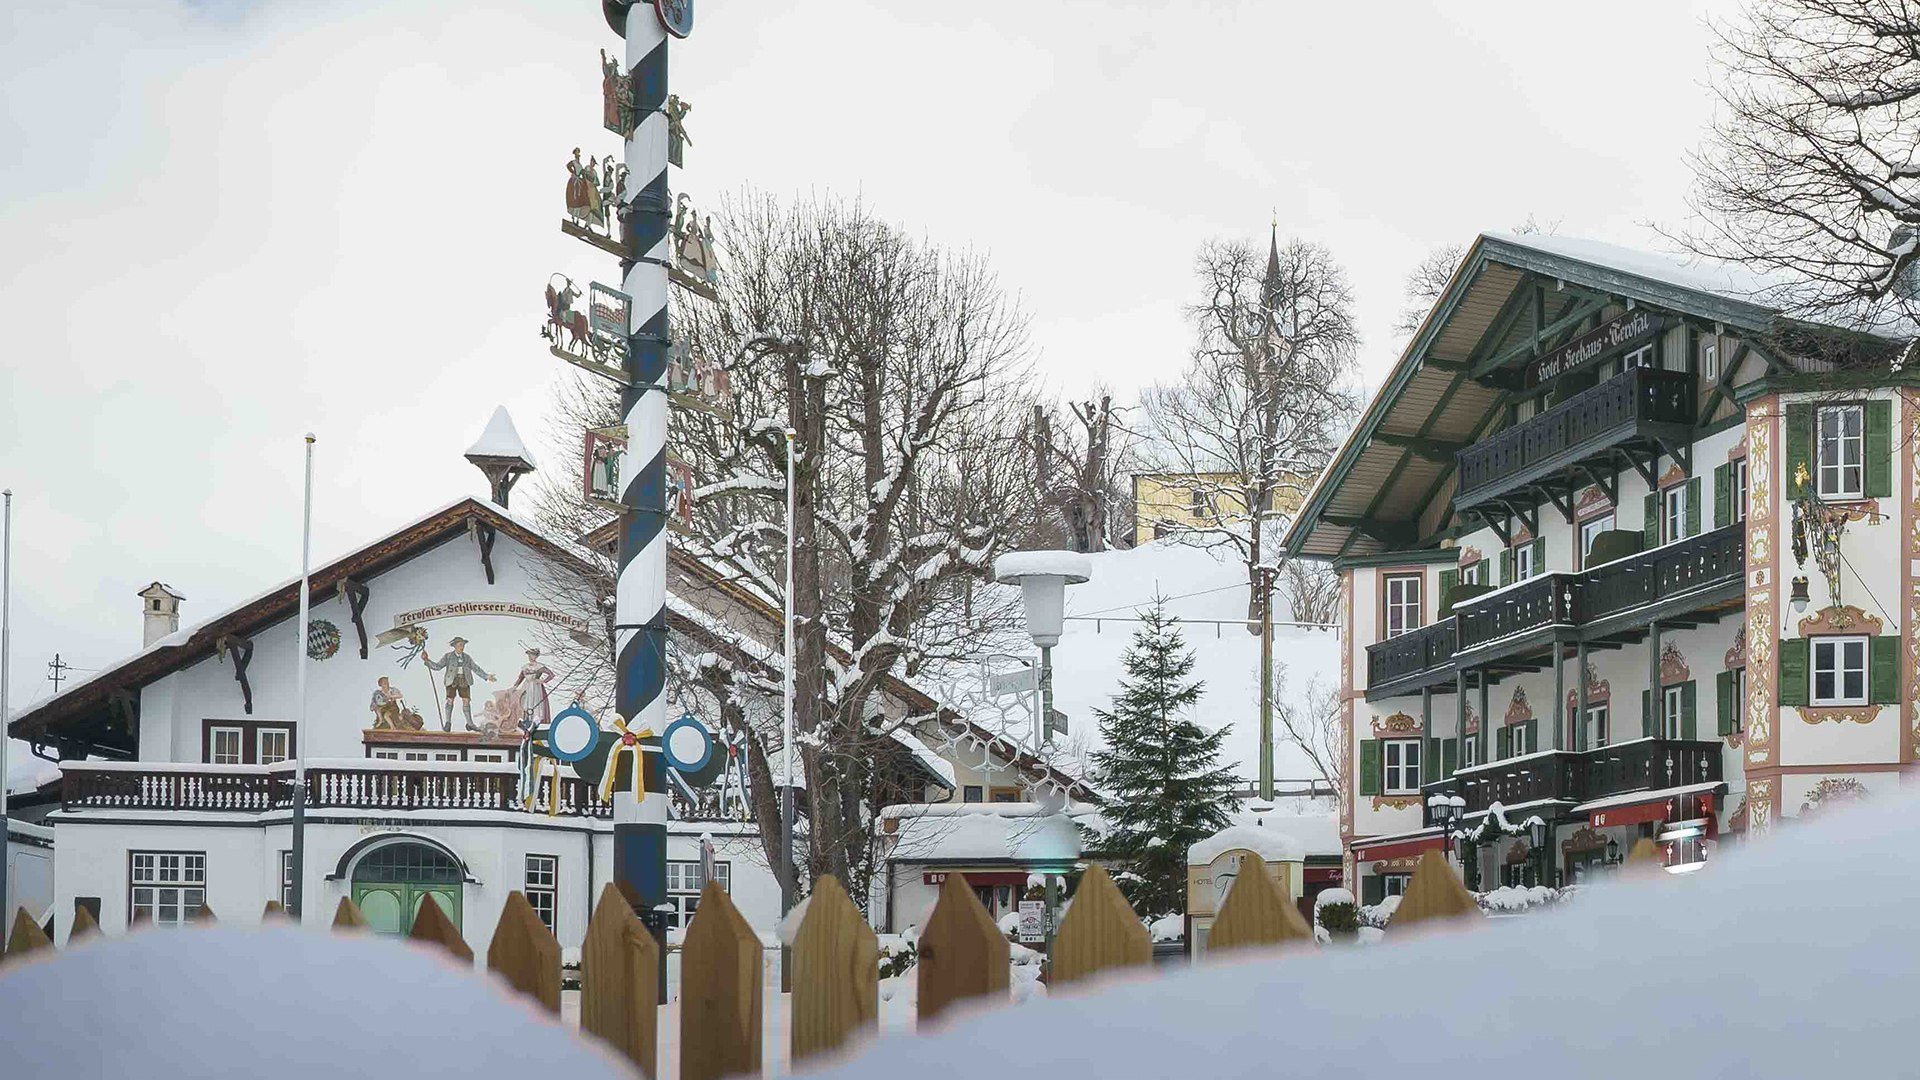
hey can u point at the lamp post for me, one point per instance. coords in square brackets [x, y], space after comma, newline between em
[296, 900]
[1043, 577]
[6, 657]
[789, 880]
[1537, 832]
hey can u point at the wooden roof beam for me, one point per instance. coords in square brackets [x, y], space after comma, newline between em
[1439, 450]
[1387, 532]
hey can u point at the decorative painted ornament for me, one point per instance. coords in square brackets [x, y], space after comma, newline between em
[676, 16]
[691, 751]
[573, 734]
[323, 639]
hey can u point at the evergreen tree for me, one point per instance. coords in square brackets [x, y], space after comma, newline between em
[1160, 769]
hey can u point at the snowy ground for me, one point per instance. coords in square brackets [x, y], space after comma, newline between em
[1199, 585]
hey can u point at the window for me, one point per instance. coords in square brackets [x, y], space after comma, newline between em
[973, 793]
[385, 755]
[1394, 884]
[286, 879]
[271, 745]
[489, 755]
[1710, 359]
[224, 746]
[1470, 752]
[1739, 495]
[1518, 875]
[1839, 671]
[684, 884]
[1596, 730]
[1403, 604]
[543, 883]
[1470, 574]
[1004, 795]
[1523, 738]
[169, 887]
[1402, 758]
[1523, 561]
[1840, 451]
[1589, 530]
[1673, 513]
[1199, 503]
[1641, 357]
[414, 755]
[1671, 703]
[446, 755]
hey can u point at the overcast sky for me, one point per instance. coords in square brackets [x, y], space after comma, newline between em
[223, 223]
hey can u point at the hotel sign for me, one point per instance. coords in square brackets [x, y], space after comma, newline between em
[1595, 345]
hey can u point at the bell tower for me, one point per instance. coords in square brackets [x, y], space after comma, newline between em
[500, 454]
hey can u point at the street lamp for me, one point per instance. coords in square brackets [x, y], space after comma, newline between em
[1043, 577]
[1537, 832]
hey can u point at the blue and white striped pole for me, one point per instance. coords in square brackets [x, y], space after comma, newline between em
[640, 595]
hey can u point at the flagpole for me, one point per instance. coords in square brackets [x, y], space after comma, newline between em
[296, 899]
[6, 662]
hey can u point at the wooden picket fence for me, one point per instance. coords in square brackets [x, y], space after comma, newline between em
[962, 959]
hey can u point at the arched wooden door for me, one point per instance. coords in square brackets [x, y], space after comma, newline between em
[390, 882]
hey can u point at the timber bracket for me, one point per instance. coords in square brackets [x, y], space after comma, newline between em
[239, 650]
[355, 595]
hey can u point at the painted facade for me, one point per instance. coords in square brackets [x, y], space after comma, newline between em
[1166, 502]
[1579, 604]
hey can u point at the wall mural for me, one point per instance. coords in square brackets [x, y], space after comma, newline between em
[451, 674]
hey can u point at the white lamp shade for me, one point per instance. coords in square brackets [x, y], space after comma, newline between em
[1043, 577]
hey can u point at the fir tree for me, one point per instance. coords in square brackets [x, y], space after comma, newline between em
[1160, 769]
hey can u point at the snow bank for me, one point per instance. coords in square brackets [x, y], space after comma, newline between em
[1020, 835]
[1759, 967]
[224, 1002]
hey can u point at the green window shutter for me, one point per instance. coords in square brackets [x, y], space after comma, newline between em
[1373, 889]
[1693, 507]
[1723, 693]
[1878, 427]
[1540, 556]
[1506, 567]
[1883, 667]
[1723, 495]
[1799, 449]
[1647, 725]
[1793, 671]
[1448, 579]
[1505, 740]
[1533, 734]
[1430, 762]
[1652, 526]
[1371, 768]
[1689, 725]
[1449, 757]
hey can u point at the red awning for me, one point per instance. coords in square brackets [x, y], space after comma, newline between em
[1658, 807]
[1395, 849]
[1314, 875]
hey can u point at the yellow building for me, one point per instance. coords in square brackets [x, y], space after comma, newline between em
[1164, 502]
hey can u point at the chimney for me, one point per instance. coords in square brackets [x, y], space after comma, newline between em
[160, 610]
[500, 454]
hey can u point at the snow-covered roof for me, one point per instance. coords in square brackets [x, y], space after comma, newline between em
[1272, 845]
[1312, 822]
[1741, 999]
[501, 439]
[962, 832]
[1730, 281]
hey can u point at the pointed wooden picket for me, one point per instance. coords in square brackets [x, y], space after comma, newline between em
[1099, 933]
[1435, 893]
[347, 916]
[204, 915]
[1643, 859]
[432, 925]
[619, 981]
[836, 973]
[1256, 912]
[141, 918]
[273, 912]
[961, 953]
[83, 926]
[524, 953]
[719, 992]
[26, 936]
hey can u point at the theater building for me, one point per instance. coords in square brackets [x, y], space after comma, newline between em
[1624, 552]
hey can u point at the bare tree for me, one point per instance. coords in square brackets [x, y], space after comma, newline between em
[1810, 174]
[1312, 590]
[1082, 457]
[1429, 277]
[1311, 721]
[1262, 405]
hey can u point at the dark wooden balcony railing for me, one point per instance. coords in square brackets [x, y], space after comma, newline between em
[1545, 600]
[1431, 646]
[1650, 765]
[1712, 558]
[1588, 422]
[1535, 777]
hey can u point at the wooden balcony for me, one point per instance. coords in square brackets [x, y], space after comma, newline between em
[1640, 410]
[340, 784]
[1573, 777]
[1404, 664]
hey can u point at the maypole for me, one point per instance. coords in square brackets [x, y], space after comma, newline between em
[640, 630]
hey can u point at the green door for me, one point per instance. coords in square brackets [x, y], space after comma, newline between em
[390, 882]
